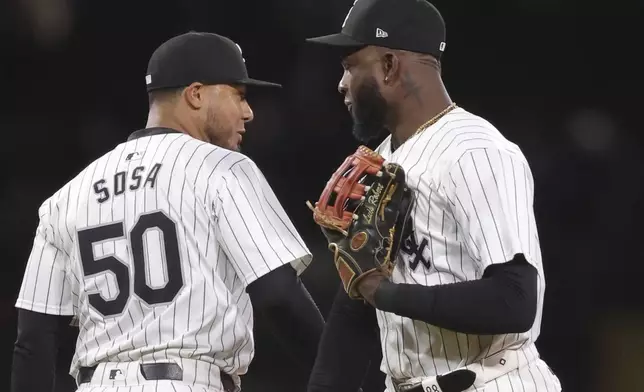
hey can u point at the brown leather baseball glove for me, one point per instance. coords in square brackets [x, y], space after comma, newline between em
[363, 212]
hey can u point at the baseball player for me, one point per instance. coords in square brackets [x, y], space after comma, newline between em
[160, 246]
[468, 285]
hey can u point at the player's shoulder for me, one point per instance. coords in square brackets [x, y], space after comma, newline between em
[470, 127]
[224, 162]
[62, 193]
[67, 193]
[200, 157]
[464, 131]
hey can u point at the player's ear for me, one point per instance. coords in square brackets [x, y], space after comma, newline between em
[390, 67]
[194, 95]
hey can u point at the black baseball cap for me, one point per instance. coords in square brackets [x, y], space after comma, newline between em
[207, 58]
[412, 25]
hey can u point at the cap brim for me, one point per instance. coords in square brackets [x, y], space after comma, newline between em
[338, 40]
[259, 83]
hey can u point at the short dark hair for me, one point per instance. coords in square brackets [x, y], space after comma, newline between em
[164, 95]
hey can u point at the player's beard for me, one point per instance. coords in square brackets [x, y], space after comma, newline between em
[369, 112]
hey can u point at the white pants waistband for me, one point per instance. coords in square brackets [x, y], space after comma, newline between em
[129, 373]
[486, 370]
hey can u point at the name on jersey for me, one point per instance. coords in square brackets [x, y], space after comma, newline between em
[121, 182]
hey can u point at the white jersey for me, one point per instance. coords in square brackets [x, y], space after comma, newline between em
[152, 246]
[473, 207]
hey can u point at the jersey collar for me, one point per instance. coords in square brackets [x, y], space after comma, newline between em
[151, 132]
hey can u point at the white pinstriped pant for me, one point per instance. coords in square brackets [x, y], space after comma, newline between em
[198, 376]
[150, 386]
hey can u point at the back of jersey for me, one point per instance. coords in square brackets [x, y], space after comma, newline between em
[150, 273]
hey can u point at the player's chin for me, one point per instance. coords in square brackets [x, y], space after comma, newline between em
[237, 143]
[233, 145]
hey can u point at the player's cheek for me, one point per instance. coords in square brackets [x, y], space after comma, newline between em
[352, 88]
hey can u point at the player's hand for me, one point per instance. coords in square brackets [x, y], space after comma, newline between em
[368, 285]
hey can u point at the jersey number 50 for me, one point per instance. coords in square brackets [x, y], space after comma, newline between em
[93, 266]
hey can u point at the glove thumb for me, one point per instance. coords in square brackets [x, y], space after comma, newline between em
[332, 236]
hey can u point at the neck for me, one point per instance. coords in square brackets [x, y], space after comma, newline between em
[166, 117]
[415, 111]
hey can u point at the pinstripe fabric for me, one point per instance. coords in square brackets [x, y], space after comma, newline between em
[472, 208]
[185, 300]
[161, 386]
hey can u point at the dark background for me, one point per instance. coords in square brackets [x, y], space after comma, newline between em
[559, 78]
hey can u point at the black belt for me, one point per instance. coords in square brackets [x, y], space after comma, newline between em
[154, 371]
[415, 388]
[456, 381]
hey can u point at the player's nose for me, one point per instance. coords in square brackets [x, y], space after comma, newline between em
[343, 85]
[247, 112]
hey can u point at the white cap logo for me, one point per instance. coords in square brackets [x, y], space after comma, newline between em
[442, 46]
[380, 33]
[148, 79]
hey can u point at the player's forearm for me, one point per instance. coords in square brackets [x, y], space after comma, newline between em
[35, 349]
[503, 301]
[348, 343]
[297, 324]
[290, 312]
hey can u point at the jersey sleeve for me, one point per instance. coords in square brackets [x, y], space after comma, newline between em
[45, 286]
[253, 228]
[490, 191]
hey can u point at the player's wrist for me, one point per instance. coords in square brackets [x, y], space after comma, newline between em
[385, 296]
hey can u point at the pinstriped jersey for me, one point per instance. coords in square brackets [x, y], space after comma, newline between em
[151, 248]
[473, 207]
